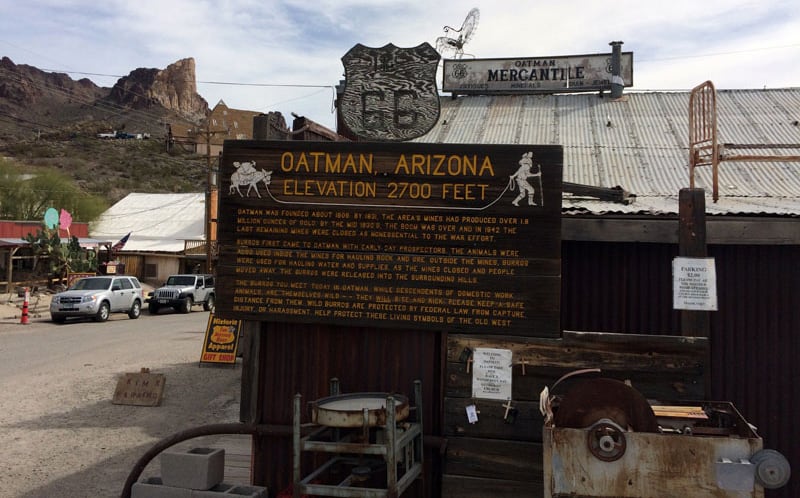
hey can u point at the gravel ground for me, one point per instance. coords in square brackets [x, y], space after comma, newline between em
[60, 435]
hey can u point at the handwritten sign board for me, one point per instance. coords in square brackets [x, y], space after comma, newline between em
[139, 389]
[694, 285]
[221, 340]
[440, 236]
[491, 373]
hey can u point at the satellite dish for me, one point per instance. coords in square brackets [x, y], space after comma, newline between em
[453, 48]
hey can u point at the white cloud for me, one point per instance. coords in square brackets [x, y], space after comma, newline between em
[676, 45]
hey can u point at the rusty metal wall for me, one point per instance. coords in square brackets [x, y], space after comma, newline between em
[303, 358]
[627, 288]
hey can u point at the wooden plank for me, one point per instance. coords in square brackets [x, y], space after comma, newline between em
[474, 487]
[722, 231]
[493, 458]
[660, 385]
[694, 412]
[660, 367]
[491, 422]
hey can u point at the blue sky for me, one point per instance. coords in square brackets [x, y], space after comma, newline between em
[275, 55]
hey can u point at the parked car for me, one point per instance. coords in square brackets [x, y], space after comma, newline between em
[98, 297]
[181, 292]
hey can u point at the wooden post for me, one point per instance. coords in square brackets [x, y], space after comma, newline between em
[692, 244]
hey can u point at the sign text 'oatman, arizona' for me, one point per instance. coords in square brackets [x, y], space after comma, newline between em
[443, 236]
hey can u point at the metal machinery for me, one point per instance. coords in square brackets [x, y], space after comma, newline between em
[603, 438]
[365, 442]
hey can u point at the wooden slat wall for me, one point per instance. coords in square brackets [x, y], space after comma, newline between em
[302, 359]
[492, 457]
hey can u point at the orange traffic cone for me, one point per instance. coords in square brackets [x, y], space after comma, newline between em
[24, 319]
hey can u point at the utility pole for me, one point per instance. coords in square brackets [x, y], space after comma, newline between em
[212, 196]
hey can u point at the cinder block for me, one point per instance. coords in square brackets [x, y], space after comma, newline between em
[251, 491]
[197, 468]
[153, 487]
[224, 490]
[216, 492]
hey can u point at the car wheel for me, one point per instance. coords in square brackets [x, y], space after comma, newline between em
[152, 308]
[186, 305]
[135, 310]
[210, 303]
[103, 312]
[58, 319]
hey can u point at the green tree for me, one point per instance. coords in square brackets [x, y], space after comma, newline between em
[26, 196]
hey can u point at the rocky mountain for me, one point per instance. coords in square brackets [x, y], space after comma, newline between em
[173, 88]
[40, 101]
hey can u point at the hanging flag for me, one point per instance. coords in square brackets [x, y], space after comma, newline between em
[119, 245]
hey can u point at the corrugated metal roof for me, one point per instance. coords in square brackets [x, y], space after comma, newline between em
[156, 222]
[641, 143]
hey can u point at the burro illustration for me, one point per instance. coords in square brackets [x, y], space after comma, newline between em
[247, 175]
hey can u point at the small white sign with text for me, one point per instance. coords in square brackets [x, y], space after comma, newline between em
[694, 284]
[491, 373]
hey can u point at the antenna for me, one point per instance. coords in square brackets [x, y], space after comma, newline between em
[454, 47]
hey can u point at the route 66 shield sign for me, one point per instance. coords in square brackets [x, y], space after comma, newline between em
[390, 92]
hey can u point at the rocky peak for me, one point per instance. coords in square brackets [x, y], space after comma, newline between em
[174, 88]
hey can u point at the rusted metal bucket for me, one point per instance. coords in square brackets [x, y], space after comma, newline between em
[354, 409]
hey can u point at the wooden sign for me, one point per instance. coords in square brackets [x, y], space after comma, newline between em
[440, 236]
[221, 340]
[139, 389]
[573, 73]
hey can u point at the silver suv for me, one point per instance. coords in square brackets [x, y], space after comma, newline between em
[98, 297]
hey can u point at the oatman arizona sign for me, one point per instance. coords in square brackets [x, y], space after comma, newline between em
[456, 237]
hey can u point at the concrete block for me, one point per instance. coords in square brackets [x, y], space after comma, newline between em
[197, 468]
[215, 492]
[224, 490]
[153, 487]
[250, 491]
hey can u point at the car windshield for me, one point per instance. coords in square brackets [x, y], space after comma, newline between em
[180, 280]
[91, 284]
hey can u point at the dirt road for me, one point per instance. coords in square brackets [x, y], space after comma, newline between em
[60, 435]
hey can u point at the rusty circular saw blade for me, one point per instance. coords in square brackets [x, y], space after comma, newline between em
[592, 400]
